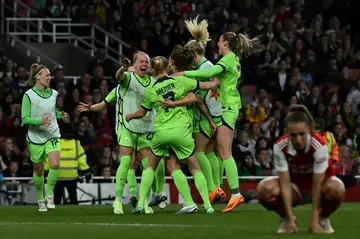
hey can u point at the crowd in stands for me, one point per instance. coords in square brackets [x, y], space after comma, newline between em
[308, 57]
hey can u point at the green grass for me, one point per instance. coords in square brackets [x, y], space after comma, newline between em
[247, 222]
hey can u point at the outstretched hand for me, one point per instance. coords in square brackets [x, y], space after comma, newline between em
[82, 107]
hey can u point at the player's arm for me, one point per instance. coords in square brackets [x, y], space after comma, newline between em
[205, 73]
[188, 99]
[282, 169]
[205, 111]
[120, 74]
[191, 85]
[111, 97]
[146, 105]
[321, 163]
[26, 112]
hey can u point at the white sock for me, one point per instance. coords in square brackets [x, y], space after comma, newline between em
[236, 195]
[119, 199]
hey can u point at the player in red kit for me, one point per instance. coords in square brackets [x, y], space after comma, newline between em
[305, 175]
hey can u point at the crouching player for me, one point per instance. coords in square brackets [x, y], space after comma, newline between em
[305, 174]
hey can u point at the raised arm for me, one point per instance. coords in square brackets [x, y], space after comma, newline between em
[119, 75]
[26, 113]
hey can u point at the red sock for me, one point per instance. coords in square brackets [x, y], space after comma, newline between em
[328, 206]
[274, 204]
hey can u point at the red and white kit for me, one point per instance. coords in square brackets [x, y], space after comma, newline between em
[302, 165]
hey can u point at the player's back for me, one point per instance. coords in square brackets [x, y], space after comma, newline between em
[172, 88]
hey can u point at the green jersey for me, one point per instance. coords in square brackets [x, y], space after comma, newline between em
[228, 71]
[35, 105]
[173, 88]
[129, 94]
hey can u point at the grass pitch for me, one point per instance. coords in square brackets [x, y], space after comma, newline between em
[247, 222]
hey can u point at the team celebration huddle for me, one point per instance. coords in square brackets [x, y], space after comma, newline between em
[184, 109]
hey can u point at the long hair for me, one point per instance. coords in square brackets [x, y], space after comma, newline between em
[199, 31]
[240, 44]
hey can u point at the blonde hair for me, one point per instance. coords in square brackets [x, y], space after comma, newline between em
[138, 53]
[200, 33]
[35, 69]
[240, 44]
[159, 64]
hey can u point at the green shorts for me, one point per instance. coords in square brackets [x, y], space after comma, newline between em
[196, 127]
[204, 126]
[229, 117]
[133, 140]
[39, 152]
[180, 140]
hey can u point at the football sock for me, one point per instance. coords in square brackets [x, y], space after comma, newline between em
[215, 168]
[131, 179]
[51, 181]
[147, 179]
[39, 185]
[201, 186]
[205, 168]
[121, 175]
[232, 176]
[182, 186]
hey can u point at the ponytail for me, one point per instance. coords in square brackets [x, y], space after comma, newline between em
[240, 44]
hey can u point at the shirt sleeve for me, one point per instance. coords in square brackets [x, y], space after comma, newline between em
[126, 80]
[321, 159]
[206, 73]
[146, 103]
[280, 162]
[111, 97]
[26, 112]
[189, 84]
[58, 114]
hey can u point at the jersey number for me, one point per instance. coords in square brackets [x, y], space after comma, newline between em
[54, 142]
[171, 96]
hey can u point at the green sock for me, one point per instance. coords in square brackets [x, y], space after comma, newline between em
[121, 175]
[201, 186]
[182, 186]
[215, 168]
[131, 180]
[232, 175]
[51, 181]
[160, 177]
[205, 167]
[145, 164]
[147, 179]
[39, 185]
[221, 170]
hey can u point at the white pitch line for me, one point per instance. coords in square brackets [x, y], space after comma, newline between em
[105, 224]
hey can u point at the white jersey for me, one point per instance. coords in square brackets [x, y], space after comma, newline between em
[41, 107]
[212, 103]
[129, 96]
